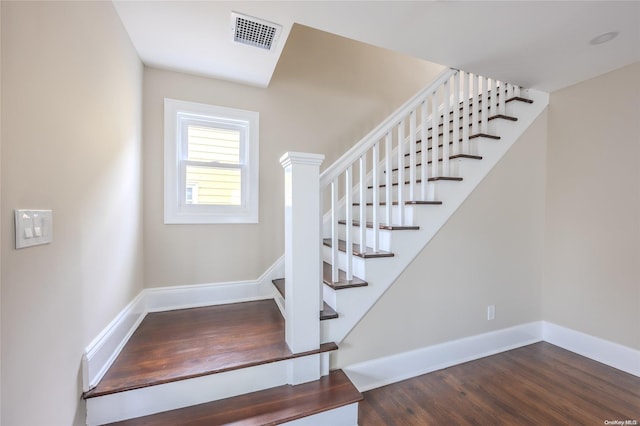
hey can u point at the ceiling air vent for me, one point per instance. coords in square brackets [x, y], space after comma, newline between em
[253, 31]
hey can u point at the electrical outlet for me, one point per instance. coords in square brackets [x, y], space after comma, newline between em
[491, 312]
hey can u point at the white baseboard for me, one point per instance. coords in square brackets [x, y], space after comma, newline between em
[609, 353]
[192, 296]
[103, 350]
[383, 371]
[394, 368]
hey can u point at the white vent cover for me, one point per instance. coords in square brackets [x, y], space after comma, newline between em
[253, 31]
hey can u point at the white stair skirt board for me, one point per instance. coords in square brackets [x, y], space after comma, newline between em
[381, 273]
[103, 350]
[394, 368]
[612, 354]
[342, 416]
[184, 393]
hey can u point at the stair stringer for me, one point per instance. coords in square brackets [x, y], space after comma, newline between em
[353, 304]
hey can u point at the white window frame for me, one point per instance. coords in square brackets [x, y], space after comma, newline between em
[177, 115]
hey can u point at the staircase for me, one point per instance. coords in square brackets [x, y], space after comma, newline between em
[267, 362]
[392, 192]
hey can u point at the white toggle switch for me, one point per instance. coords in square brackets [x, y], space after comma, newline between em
[33, 227]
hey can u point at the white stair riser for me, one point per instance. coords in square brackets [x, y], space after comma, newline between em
[434, 192]
[382, 214]
[385, 238]
[456, 169]
[358, 262]
[330, 297]
[341, 416]
[184, 393]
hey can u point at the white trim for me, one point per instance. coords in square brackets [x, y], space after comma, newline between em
[192, 296]
[185, 393]
[103, 350]
[394, 368]
[612, 354]
[347, 415]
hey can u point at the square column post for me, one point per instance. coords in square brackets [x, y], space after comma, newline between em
[303, 273]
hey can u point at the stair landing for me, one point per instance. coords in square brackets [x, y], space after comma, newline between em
[188, 343]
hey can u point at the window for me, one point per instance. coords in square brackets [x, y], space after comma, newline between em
[211, 164]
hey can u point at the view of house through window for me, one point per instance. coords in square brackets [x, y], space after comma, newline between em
[211, 164]
[213, 168]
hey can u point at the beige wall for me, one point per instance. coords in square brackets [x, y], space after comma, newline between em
[71, 142]
[592, 247]
[0, 210]
[326, 93]
[488, 253]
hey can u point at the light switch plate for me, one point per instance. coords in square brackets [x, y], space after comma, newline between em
[33, 227]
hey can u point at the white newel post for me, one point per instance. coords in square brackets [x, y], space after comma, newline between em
[302, 245]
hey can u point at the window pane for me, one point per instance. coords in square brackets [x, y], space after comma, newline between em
[212, 144]
[214, 186]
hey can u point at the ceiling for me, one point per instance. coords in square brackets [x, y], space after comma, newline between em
[537, 44]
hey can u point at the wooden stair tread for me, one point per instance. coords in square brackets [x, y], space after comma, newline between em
[520, 99]
[219, 338]
[511, 99]
[385, 227]
[368, 254]
[460, 127]
[453, 157]
[475, 136]
[268, 407]
[327, 311]
[431, 179]
[342, 282]
[407, 203]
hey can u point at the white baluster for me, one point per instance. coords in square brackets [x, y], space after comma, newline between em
[435, 119]
[484, 128]
[475, 106]
[349, 221]
[494, 98]
[400, 175]
[424, 144]
[334, 230]
[388, 150]
[465, 114]
[516, 91]
[445, 129]
[502, 100]
[456, 114]
[363, 200]
[375, 200]
[509, 91]
[412, 155]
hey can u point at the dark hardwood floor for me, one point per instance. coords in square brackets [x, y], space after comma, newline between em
[539, 384]
[186, 343]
